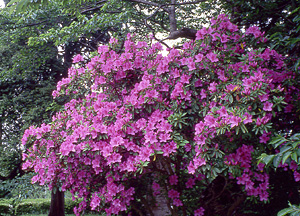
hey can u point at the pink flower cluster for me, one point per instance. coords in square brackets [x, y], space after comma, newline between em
[138, 113]
[242, 159]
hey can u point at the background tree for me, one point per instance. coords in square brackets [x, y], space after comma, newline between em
[28, 75]
[173, 18]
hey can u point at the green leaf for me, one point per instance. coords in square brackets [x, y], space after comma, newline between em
[295, 157]
[21, 5]
[277, 141]
[12, 2]
[285, 148]
[285, 211]
[266, 158]
[230, 98]
[286, 156]
[277, 160]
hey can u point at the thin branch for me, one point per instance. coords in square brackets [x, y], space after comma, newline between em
[87, 45]
[28, 25]
[94, 8]
[185, 3]
[146, 2]
[151, 29]
[163, 5]
[162, 23]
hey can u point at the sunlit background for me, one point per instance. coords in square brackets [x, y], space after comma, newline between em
[1, 3]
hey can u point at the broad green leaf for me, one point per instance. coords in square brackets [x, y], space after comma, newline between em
[278, 141]
[285, 148]
[285, 156]
[285, 211]
[266, 158]
[277, 160]
[295, 157]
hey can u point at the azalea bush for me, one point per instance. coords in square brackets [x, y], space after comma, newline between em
[182, 132]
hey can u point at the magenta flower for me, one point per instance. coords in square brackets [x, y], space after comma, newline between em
[173, 179]
[222, 111]
[190, 183]
[185, 79]
[264, 196]
[199, 128]
[234, 121]
[200, 140]
[199, 161]
[169, 148]
[263, 97]
[248, 118]
[203, 94]
[224, 38]
[150, 137]
[155, 186]
[210, 121]
[156, 189]
[213, 87]
[177, 202]
[254, 30]
[293, 165]
[245, 68]
[212, 57]
[78, 58]
[173, 194]
[231, 87]
[191, 168]
[199, 57]
[268, 106]
[244, 179]
[297, 176]
[199, 212]
[264, 138]
[95, 201]
[201, 33]
[143, 85]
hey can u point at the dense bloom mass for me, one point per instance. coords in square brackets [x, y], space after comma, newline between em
[173, 122]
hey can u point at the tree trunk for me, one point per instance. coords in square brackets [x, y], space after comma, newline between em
[57, 206]
[162, 206]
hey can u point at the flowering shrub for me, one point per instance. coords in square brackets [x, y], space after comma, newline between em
[142, 125]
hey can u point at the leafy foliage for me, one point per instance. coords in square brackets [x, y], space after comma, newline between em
[293, 210]
[176, 18]
[28, 75]
[289, 150]
[32, 206]
[27, 78]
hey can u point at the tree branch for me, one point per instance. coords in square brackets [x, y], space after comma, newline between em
[94, 8]
[163, 5]
[182, 33]
[146, 2]
[185, 3]
[152, 30]
[28, 25]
